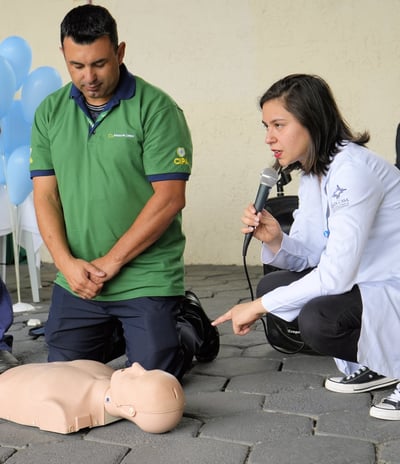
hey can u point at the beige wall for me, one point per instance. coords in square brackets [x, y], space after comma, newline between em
[216, 57]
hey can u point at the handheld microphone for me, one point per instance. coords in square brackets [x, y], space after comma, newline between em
[269, 178]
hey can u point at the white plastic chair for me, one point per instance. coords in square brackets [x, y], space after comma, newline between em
[28, 237]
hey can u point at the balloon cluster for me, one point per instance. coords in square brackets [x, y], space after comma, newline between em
[16, 114]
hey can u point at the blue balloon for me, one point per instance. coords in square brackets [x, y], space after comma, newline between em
[19, 183]
[38, 85]
[15, 130]
[3, 166]
[7, 86]
[19, 54]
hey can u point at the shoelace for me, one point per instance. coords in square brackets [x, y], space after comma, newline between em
[395, 396]
[359, 371]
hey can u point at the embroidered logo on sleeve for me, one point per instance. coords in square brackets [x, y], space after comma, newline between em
[181, 158]
[339, 199]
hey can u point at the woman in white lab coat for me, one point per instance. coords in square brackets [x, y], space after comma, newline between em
[340, 263]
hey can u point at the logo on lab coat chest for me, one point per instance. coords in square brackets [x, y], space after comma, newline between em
[338, 200]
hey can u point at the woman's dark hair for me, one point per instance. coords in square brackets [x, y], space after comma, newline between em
[86, 23]
[311, 102]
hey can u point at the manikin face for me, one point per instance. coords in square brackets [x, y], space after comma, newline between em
[153, 399]
[94, 68]
[151, 391]
[287, 138]
[130, 373]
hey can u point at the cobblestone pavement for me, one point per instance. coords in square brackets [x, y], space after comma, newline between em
[251, 405]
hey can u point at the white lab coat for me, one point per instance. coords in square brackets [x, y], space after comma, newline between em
[348, 227]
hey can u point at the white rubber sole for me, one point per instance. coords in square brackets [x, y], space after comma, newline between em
[385, 414]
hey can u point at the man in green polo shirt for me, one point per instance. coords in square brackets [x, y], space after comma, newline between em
[111, 155]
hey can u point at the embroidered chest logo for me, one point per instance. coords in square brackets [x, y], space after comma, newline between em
[122, 135]
[339, 200]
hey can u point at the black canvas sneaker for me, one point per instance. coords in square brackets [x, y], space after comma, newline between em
[389, 407]
[362, 380]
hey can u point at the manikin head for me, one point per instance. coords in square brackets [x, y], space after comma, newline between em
[153, 400]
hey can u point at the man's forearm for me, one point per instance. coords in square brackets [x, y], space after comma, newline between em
[52, 228]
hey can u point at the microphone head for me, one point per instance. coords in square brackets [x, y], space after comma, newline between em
[269, 177]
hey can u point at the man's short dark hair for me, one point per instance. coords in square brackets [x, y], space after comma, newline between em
[86, 23]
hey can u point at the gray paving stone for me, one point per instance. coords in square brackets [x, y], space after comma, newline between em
[256, 426]
[228, 351]
[210, 405]
[5, 453]
[313, 402]
[71, 452]
[30, 350]
[127, 434]
[202, 293]
[274, 382]
[254, 338]
[322, 365]
[263, 350]
[193, 383]
[230, 367]
[358, 424]
[19, 436]
[389, 453]
[313, 450]
[190, 451]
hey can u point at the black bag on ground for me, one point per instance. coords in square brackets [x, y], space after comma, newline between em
[285, 336]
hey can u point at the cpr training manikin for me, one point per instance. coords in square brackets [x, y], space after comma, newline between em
[65, 397]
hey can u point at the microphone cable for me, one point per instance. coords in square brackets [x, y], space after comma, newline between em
[246, 271]
[279, 174]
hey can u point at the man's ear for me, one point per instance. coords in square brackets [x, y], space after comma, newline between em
[121, 52]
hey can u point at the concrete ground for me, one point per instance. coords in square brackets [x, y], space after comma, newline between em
[252, 405]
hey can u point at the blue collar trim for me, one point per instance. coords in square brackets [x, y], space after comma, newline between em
[126, 89]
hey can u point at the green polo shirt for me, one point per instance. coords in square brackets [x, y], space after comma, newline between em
[104, 172]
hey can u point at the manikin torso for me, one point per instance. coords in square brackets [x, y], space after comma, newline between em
[65, 397]
[38, 391]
